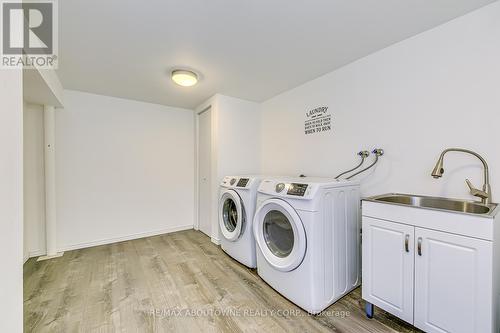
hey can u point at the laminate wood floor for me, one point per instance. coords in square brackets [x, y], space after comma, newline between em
[179, 282]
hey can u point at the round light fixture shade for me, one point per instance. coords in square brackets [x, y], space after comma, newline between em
[184, 78]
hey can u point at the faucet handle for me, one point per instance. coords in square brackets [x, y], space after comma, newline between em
[476, 192]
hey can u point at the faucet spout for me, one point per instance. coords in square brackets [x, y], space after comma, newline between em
[438, 168]
[485, 194]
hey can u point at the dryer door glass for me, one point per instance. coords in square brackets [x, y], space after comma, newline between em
[278, 233]
[230, 214]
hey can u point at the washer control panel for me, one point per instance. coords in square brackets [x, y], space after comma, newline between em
[280, 187]
[297, 189]
[243, 182]
[238, 182]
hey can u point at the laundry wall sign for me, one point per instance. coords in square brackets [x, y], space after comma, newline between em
[318, 120]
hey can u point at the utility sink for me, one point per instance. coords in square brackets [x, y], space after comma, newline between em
[427, 259]
[454, 205]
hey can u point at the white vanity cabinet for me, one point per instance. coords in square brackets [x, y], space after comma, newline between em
[453, 282]
[437, 270]
[388, 263]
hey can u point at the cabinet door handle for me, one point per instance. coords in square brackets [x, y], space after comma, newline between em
[419, 246]
[407, 241]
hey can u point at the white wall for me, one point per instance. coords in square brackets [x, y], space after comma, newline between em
[238, 137]
[42, 87]
[11, 201]
[124, 169]
[236, 143]
[34, 181]
[436, 90]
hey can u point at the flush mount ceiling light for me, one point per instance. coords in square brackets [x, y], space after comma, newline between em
[184, 78]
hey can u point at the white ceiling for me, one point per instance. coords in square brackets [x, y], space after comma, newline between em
[251, 49]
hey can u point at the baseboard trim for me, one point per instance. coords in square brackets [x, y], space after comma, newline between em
[124, 238]
[57, 255]
[33, 254]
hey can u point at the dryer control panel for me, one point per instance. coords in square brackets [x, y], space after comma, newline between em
[288, 189]
[297, 189]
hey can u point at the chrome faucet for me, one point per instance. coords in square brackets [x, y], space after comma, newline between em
[485, 193]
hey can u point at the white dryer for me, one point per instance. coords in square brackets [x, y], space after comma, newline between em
[307, 232]
[237, 201]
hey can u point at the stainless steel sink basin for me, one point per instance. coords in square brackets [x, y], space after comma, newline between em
[445, 204]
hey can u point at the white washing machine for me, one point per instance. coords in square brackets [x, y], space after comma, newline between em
[237, 201]
[307, 232]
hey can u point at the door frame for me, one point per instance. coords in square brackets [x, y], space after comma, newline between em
[207, 106]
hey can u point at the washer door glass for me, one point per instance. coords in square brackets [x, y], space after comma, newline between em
[278, 233]
[231, 215]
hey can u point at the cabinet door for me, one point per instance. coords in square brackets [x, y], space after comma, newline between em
[453, 283]
[388, 263]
